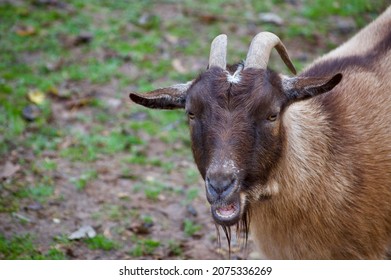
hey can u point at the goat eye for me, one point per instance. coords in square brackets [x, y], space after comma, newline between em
[191, 115]
[272, 118]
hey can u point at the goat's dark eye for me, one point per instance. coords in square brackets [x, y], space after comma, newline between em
[191, 115]
[272, 117]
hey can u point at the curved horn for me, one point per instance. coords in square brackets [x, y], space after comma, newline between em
[260, 49]
[218, 52]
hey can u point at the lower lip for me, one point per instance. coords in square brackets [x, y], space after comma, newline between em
[228, 214]
[228, 211]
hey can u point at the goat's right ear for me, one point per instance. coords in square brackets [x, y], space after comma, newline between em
[299, 88]
[173, 97]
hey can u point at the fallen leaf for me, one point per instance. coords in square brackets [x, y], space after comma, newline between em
[173, 40]
[208, 19]
[53, 91]
[114, 103]
[83, 232]
[9, 170]
[81, 102]
[204, 18]
[36, 96]
[25, 30]
[60, 93]
[271, 18]
[21, 217]
[123, 195]
[178, 66]
[141, 228]
[148, 21]
[56, 65]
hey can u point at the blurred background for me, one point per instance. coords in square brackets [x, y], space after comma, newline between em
[86, 174]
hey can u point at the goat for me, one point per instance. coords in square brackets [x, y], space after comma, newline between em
[303, 163]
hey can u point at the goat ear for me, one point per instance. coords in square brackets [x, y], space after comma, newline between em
[300, 88]
[173, 97]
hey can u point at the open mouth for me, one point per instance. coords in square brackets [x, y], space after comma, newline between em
[226, 214]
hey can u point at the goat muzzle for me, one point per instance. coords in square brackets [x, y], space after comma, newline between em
[224, 198]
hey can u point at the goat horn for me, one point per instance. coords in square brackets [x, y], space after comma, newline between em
[260, 49]
[218, 52]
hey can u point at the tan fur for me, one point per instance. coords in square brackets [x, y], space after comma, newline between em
[335, 203]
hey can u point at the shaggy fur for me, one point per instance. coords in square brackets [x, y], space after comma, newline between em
[305, 161]
[334, 179]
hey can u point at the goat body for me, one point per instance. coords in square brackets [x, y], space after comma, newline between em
[336, 170]
[305, 160]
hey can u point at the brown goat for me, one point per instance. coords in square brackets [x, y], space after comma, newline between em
[302, 162]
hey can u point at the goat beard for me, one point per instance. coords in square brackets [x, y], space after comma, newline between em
[242, 232]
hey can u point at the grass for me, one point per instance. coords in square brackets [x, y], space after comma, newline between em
[86, 177]
[22, 247]
[140, 158]
[144, 247]
[190, 228]
[49, 164]
[191, 176]
[153, 188]
[100, 242]
[192, 194]
[40, 192]
[175, 248]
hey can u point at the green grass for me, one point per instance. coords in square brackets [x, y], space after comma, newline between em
[147, 219]
[138, 156]
[144, 247]
[49, 164]
[22, 247]
[175, 248]
[100, 242]
[191, 194]
[40, 192]
[190, 228]
[154, 188]
[191, 176]
[87, 147]
[86, 177]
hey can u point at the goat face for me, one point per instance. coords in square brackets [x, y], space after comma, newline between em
[235, 119]
[236, 136]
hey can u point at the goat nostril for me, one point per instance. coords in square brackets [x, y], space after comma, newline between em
[220, 185]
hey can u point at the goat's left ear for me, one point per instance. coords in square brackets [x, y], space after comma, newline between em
[173, 97]
[300, 88]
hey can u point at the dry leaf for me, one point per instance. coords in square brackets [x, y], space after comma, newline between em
[83, 232]
[25, 30]
[78, 103]
[36, 96]
[178, 66]
[173, 40]
[21, 217]
[9, 170]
